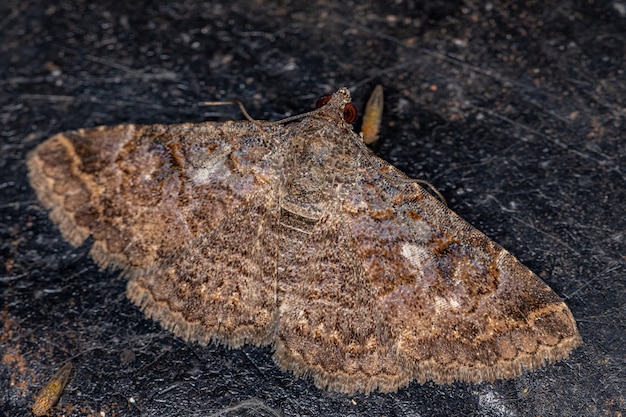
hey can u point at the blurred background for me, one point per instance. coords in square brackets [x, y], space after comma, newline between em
[515, 111]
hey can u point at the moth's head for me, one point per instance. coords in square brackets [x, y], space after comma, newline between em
[337, 106]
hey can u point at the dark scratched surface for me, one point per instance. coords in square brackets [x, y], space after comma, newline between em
[514, 111]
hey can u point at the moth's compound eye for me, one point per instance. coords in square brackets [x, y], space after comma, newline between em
[349, 113]
[322, 101]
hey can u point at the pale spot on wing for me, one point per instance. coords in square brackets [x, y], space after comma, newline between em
[501, 257]
[210, 168]
[443, 304]
[422, 229]
[415, 254]
[213, 170]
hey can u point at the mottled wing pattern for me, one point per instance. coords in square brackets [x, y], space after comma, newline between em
[405, 289]
[223, 287]
[331, 325]
[298, 236]
[181, 209]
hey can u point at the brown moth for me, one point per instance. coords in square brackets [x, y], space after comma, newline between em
[296, 235]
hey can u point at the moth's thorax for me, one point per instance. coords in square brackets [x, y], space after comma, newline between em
[319, 162]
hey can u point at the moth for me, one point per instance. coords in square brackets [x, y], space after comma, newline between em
[294, 234]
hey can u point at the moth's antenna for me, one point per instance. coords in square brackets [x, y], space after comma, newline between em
[228, 103]
[432, 188]
[296, 117]
[250, 119]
